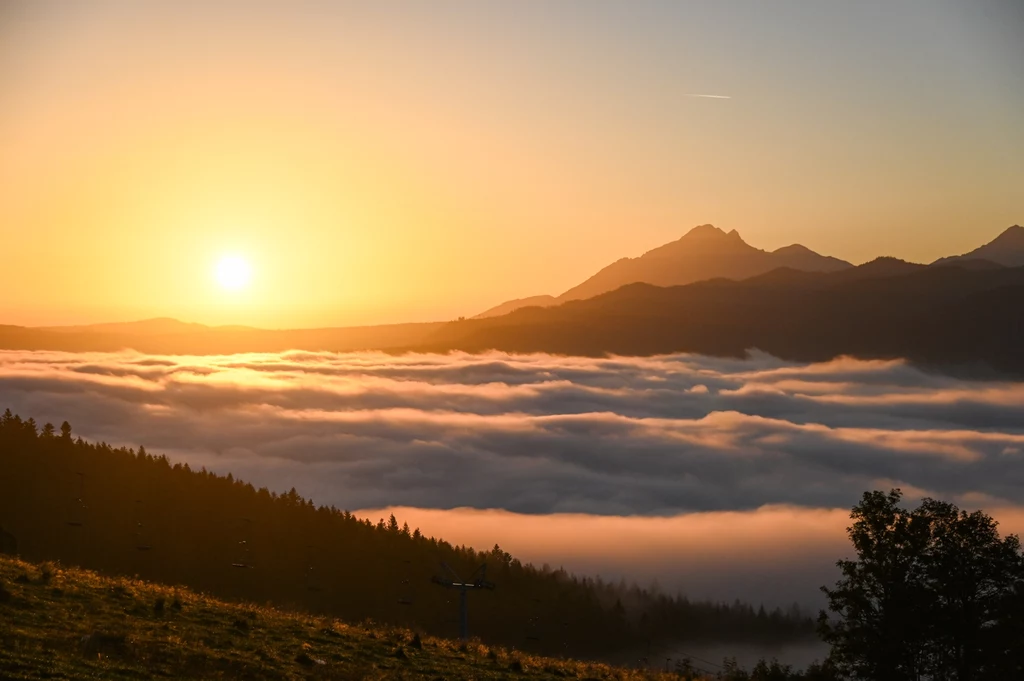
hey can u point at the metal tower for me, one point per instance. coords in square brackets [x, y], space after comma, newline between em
[477, 581]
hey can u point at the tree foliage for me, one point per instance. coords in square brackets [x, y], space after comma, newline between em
[935, 593]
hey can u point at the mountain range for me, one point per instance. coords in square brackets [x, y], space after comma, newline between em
[706, 252]
[957, 316]
[793, 303]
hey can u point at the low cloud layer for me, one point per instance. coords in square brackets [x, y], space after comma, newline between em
[545, 434]
[774, 555]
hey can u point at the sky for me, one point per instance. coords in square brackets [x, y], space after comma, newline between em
[383, 162]
[673, 468]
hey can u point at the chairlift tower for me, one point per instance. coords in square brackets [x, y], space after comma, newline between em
[241, 547]
[77, 507]
[477, 581]
[406, 595]
[533, 622]
[141, 534]
[312, 580]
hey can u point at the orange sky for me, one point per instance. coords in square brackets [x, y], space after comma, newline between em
[397, 163]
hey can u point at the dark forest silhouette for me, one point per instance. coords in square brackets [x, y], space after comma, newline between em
[123, 511]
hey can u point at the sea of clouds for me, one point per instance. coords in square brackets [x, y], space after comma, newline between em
[659, 467]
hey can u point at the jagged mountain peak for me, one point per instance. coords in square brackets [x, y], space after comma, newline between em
[710, 232]
[1007, 249]
[1011, 235]
[704, 252]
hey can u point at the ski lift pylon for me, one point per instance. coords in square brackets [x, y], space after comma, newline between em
[141, 543]
[76, 507]
[241, 547]
[311, 581]
[407, 593]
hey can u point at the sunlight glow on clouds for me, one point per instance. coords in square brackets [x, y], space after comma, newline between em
[544, 434]
[722, 478]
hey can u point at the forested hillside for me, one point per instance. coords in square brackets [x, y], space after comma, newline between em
[123, 511]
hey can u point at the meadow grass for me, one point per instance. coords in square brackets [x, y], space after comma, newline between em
[67, 623]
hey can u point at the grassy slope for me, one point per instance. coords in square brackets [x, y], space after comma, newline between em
[74, 624]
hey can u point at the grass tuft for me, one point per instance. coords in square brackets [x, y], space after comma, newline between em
[47, 571]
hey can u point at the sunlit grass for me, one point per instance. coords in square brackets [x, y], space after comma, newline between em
[76, 624]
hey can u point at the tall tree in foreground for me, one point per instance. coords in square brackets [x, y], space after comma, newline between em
[971, 574]
[934, 593]
[881, 599]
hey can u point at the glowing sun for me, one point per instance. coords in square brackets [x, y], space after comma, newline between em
[233, 272]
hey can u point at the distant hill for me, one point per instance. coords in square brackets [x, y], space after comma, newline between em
[949, 315]
[880, 268]
[513, 305]
[1007, 250]
[705, 252]
[146, 327]
[171, 337]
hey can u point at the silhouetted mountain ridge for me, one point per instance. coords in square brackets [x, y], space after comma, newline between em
[1007, 250]
[940, 316]
[706, 252]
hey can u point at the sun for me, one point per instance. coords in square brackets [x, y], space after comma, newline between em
[233, 272]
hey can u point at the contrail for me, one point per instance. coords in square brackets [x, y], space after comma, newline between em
[708, 96]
